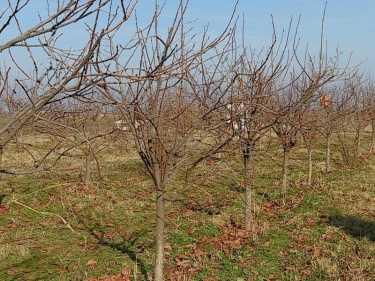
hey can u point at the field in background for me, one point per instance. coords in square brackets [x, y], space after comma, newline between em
[54, 227]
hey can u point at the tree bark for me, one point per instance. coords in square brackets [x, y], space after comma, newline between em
[247, 158]
[88, 167]
[160, 226]
[328, 154]
[372, 145]
[358, 151]
[284, 176]
[1, 157]
[310, 166]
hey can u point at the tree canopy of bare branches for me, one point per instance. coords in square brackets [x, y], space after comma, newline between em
[39, 67]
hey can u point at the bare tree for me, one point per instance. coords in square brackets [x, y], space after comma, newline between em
[260, 76]
[333, 114]
[286, 126]
[369, 107]
[309, 130]
[359, 120]
[352, 119]
[169, 101]
[56, 71]
[79, 130]
[307, 79]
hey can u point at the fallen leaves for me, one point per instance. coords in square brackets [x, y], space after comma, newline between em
[231, 239]
[272, 278]
[316, 251]
[87, 246]
[109, 224]
[305, 272]
[91, 262]
[13, 272]
[123, 276]
[4, 210]
[270, 207]
[63, 269]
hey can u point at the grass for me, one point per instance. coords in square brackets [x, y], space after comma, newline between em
[325, 232]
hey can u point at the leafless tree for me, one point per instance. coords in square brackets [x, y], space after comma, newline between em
[170, 99]
[352, 119]
[369, 109]
[286, 127]
[310, 75]
[334, 109]
[39, 67]
[81, 130]
[312, 122]
[360, 118]
[259, 77]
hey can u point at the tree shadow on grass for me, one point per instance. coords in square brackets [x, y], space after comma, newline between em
[354, 226]
[126, 246]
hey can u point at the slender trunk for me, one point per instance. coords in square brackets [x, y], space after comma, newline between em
[88, 166]
[160, 225]
[372, 145]
[247, 158]
[358, 144]
[1, 157]
[309, 159]
[284, 176]
[155, 150]
[345, 149]
[328, 154]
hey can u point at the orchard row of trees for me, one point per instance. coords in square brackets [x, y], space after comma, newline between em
[184, 96]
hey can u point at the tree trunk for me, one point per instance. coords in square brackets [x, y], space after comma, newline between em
[160, 225]
[309, 160]
[284, 176]
[358, 144]
[1, 157]
[372, 145]
[328, 154]
[88, 167]
[345, 148]
[247, 158]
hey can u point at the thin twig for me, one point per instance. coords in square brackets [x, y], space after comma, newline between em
[45, 213]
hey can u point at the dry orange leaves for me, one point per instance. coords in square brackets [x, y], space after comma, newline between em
[123, 276]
